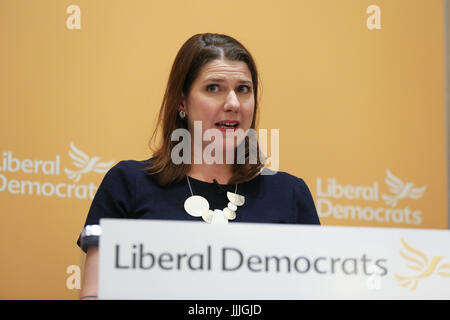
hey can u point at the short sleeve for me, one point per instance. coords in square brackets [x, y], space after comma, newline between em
[307, 213]
[113, 199]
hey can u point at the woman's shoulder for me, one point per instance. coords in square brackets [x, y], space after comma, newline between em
[130, 165]
[129, 168]
[284, 181]
[283, 177]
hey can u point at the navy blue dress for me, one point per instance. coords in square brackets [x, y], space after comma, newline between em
[128, 191]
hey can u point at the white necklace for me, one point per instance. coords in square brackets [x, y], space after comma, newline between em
[197, 206]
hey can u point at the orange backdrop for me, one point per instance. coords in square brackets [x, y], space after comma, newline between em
[360, 110]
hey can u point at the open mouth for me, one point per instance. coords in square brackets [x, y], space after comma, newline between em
[227, 124]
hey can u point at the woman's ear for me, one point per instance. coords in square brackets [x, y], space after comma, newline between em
[182, 105]
[181, 108]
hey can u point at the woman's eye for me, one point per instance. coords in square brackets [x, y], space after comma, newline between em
[244, 89]
[212, 88]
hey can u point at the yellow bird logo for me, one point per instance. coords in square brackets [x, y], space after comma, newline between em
[418, 261]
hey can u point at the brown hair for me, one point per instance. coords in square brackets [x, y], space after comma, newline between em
[192, 56]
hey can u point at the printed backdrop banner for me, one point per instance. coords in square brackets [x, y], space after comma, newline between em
[355, 88]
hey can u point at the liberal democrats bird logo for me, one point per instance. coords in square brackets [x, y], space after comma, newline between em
[400, 190]
[419, 262]
[86, 164]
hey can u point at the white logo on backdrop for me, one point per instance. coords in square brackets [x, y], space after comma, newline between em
[31, 176]
[330, 192]
[85, 163]
[400, 190]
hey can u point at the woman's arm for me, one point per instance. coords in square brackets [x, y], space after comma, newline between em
[89, 286]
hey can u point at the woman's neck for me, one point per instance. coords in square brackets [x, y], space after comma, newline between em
[208, 172]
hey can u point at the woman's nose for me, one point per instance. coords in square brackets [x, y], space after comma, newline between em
[232, 102]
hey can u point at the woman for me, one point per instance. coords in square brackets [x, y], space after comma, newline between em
[211, 95]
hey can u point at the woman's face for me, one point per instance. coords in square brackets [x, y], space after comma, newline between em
[222, 98]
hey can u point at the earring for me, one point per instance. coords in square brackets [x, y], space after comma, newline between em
[182, 114]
